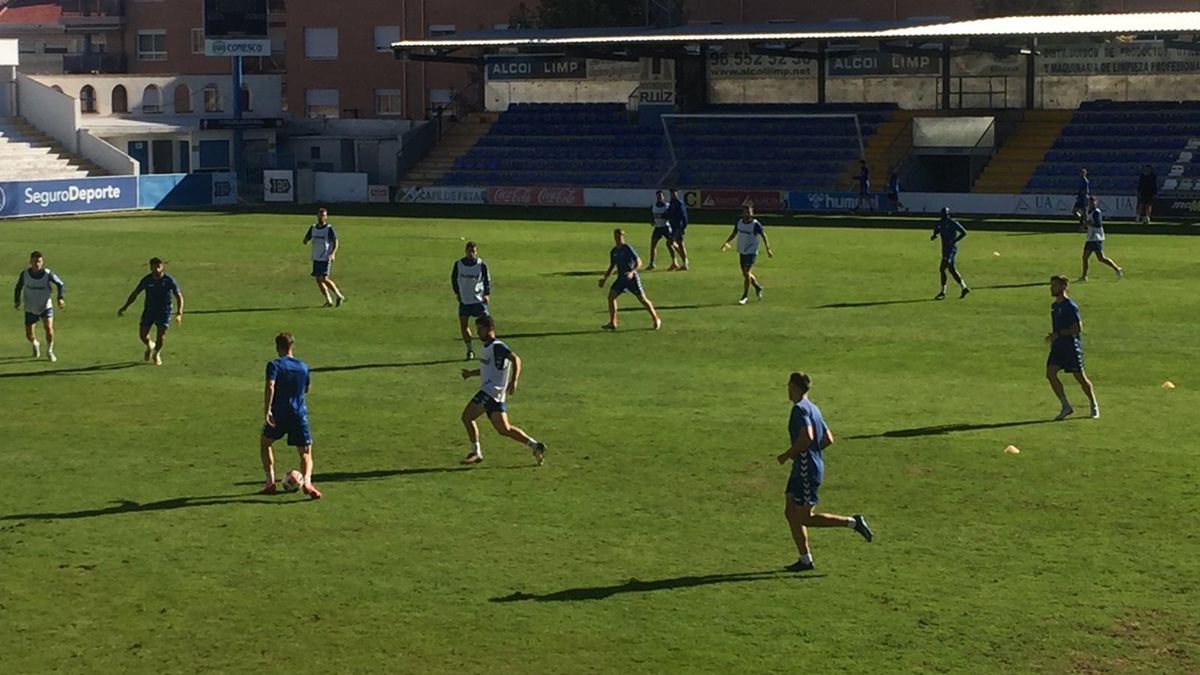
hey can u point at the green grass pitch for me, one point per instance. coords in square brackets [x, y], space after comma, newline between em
[132, 540]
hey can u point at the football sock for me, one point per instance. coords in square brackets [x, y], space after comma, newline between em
[852, 523]
[962, 284]
[943, 288]
[475, 449]
[756, 286]
[270, 475]
[806, 558]
[532, 443]
[340, 296]
[1063, 400]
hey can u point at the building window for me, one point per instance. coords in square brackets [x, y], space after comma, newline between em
[320, 43]
[388, 102]
[438, 30]
[151, 100]
[385, 36]
[212, 98]
[183, 99]
[197, 40]
[152, 45]
[120, 99]
[321, 103]
[87, 99]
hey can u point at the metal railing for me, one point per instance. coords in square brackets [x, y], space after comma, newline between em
[79, 64]
[415, 144]
[96, 8]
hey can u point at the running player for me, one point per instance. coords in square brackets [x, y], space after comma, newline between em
[809, 437]
[160, 289]
[626, 262]
[1147, 190]
[662, 230]
[951, 231]
[677, 217]
[748, 231]
[34, 285]
[324, 250]
[1095, 241]
[285, 413]
[1066, 349]
[498, 371]
[472, 286]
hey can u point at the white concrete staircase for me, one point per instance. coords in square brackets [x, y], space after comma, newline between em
[28, 154]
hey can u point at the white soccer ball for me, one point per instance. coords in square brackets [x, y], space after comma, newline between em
[293, 480]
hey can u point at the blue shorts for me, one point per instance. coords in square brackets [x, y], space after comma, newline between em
[31, 318]
[298, 435]
[948, 256]
[660, 233]
[748, 260]
[473, 309]
[490, 405]
[163, 321]
[320, 268]
[1093, 246]
[802, 489]
[622, 284]
[1067, 354]
[677, 233]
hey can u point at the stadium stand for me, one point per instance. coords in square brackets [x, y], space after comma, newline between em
[1113, 140]
[601, 145]
[27, 154]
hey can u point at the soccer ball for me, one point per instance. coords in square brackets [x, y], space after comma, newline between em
[292, 481]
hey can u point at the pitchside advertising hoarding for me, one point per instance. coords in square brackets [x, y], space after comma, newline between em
[236, 28]
[83, 195]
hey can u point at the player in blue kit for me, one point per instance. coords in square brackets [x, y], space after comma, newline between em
[286, 414]
[498, 371]
[473, 287]
[160, 289]
[33, 284]
[951, 231]
[626, 262]
[662, 230]
[677, 218]
[1066, 349]
[894, 203]
[1095, 241]
[324, 250]
[864, 187]
[748, 231]
[810, 437]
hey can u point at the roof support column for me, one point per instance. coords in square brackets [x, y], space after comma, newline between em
[821, 47]
[945, 105]
[1031, 74]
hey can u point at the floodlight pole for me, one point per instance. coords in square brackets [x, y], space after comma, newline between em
[239, 157]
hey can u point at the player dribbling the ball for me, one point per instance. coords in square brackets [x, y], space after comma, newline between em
[285, 413]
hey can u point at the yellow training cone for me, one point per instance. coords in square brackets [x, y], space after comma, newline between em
[996, 253]
[1168, 385]
[1012, 450]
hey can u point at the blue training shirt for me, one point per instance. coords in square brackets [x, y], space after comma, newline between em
[1063, 315]
[624, 258]
[894, 183]
[809, 462]
[677, 214]
[1085, 187]
[159, 293]
[291, 379]
[951, 231]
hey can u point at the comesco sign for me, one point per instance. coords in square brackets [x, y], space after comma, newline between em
[237, 47]
[536, 196]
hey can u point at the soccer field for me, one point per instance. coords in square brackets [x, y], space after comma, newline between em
[653, 539]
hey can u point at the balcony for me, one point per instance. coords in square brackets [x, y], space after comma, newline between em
[92, 15]
[104, 64]
[275, 64]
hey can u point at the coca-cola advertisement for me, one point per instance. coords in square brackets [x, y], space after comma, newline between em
[535, 196]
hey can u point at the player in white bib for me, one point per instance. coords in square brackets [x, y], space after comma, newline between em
[1094, 220]
[498, 371]
[324, 250]
[662, 230]
[34, 284]
[747, 231]
[472, 286]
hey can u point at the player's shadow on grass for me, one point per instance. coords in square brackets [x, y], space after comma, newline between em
[576, 273]
[244, 310]
[1032, 284]
[75, 371]
[874, 303]
[942, 429]
[128, 506]
[639, 586]
[373, 366]
[557, 333]
[669, 308]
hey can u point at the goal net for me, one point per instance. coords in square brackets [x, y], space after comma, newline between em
[765, 151]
